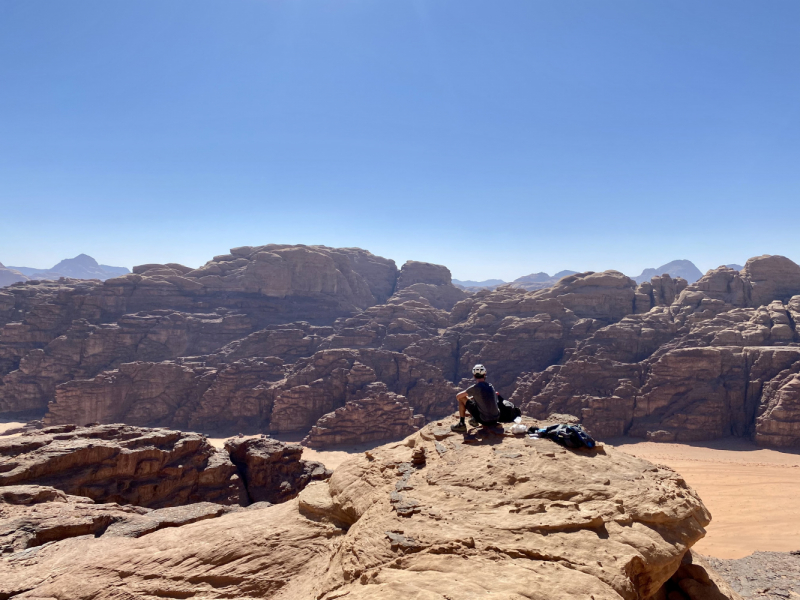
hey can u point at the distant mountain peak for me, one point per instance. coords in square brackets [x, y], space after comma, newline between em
[82, 266]
[82, 260]
[538, 281]
[676, 268]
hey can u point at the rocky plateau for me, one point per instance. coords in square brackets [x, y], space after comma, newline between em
[437, 515]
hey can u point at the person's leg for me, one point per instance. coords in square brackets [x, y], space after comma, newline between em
[462, 407]
[472, 408]
[461, 427]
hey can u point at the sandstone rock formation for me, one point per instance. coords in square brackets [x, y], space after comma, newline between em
[695, 579]
[230, 348]
[400, 521]
[378, 415]
[272, 471]
[52, 332]
[715, 362]
[152, 468]
[32, 515]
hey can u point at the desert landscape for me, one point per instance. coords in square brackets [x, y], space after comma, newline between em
[173, 395]
[409, 300]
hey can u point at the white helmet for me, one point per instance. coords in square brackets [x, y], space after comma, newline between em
[479, 370]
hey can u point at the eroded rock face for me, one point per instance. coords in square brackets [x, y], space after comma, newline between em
[55, 331]
[377, 415]
[422, 272]
[272, 471]
[32, 515]
[662, 359]
[709, 365]
[778, 420]
[120, 463]
[432, 516]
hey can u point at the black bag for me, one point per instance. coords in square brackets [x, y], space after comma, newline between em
[569, 436]
[508, 412]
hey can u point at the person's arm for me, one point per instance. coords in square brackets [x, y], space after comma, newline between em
[462, 395]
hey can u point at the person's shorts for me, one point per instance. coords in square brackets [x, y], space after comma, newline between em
[472, 409]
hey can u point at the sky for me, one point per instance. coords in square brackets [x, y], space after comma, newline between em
[498, 138]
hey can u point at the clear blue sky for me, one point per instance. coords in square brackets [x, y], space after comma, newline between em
[496, 137]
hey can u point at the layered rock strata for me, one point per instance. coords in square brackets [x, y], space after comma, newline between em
[31, 516]
[377, 415]
[663, 359]
[273, 471]
[51, 332]
[714, 363]
[153, 468]
[399, 522]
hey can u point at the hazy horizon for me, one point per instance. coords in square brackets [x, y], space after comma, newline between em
[498, 139]
[399, 262]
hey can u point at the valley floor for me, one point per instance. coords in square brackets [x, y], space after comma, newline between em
[750, 491]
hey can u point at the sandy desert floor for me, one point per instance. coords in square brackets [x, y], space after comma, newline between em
[753, 493]
[9, 425]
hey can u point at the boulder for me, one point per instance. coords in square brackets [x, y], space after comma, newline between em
[272, 471]
[553, 524]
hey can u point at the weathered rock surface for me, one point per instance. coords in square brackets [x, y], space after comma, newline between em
[552, 524]
[762, 575]
[32, 515]
[152, 468]
[713, 363]
[230, 348]
[378, 415]
[272, 471]
[51, 332]
[696, 579]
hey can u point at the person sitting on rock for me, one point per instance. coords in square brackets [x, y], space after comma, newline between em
[480, 400]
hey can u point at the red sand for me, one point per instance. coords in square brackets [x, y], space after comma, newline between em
[753, 493]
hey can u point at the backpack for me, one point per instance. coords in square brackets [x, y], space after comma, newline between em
[569, 436]
[508, 412]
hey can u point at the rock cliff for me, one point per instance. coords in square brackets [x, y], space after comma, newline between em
[288, 338]
[400, 521]
[719, 360]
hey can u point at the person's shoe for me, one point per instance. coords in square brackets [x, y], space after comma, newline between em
[459, 427]
[473, 422]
